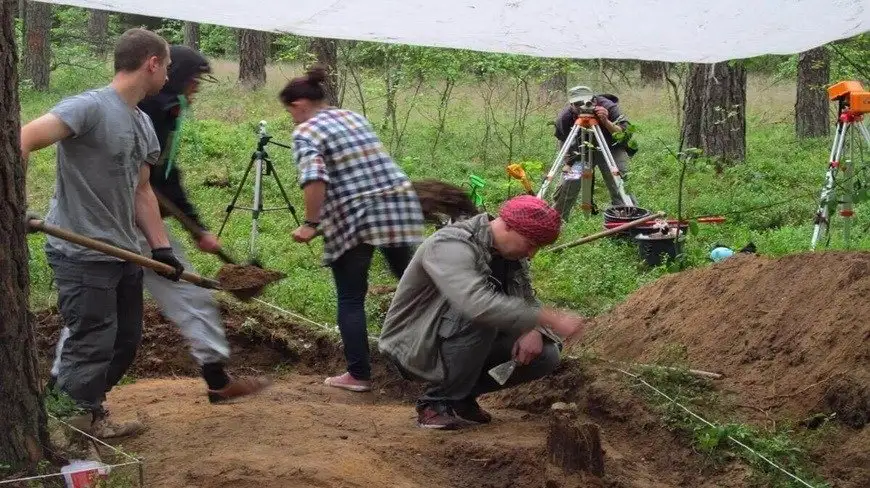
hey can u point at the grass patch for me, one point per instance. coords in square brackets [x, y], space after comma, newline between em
[769, 199]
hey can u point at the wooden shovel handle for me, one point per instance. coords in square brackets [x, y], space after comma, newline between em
[189, 224]
[608, 232]
[117, 252]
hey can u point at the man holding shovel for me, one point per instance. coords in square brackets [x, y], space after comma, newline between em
[105, 149]
[192, 308]
[465, 305]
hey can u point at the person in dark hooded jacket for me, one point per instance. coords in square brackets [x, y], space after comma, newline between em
[193, 309]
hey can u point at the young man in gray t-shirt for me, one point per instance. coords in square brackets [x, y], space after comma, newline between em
[105, 147]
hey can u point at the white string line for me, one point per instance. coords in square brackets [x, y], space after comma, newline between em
[297, 316]
[53, 475]
[693, 414]
[128, 456]
[329, 328]
[333, 329]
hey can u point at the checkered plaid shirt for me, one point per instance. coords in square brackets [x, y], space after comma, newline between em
[369, 199]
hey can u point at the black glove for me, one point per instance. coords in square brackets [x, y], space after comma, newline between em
[166, 256]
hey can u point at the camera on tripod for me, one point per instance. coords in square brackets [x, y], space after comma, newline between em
[260, 165]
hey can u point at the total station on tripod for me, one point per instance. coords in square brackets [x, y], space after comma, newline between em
[262, 166]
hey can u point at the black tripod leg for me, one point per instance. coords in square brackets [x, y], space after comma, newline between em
[232, 204]
[284, 194]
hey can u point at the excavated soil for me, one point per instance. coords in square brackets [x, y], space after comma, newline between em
[790, 335]
[787, 333]
[438, 199]
[301, 433]
[245, 277]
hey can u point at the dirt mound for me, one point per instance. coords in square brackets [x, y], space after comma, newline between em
[781, 330]
[261, 343]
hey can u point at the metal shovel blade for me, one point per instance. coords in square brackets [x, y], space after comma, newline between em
[503, 371]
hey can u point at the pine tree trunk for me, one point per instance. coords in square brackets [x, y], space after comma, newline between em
[326, 52]
[37, 55]
[723, 124]
[191, 35]
[652, 72]
[811, 107]
[693, 107]
[252, 59]
[98, 32]
[23, 422]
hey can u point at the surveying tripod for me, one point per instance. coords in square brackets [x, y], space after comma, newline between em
[262, 166]
[852, 103]
[588, 128]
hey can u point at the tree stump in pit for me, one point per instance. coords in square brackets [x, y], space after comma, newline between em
[573, 445]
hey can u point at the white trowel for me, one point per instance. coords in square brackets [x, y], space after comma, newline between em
[503, 371]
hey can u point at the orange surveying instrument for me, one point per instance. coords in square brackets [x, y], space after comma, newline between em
[851, 137]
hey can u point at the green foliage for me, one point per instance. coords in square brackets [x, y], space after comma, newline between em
[850, 59]
[216, 40]
[60, 405]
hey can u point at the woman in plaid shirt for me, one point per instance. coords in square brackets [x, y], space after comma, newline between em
[360, 199]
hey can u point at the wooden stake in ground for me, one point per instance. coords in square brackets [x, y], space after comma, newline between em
[574, 446]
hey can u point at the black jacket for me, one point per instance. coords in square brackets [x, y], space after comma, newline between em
[163, 109]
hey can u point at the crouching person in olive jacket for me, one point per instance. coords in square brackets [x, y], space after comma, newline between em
[465, 304]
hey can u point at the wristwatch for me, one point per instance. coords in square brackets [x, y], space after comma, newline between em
[311, 224]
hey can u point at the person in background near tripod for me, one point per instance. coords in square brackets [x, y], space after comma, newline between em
[192, 308]
[105, 149]
[612, 120]
[360, 199]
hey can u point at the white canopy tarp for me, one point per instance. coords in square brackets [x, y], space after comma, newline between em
[664, 30]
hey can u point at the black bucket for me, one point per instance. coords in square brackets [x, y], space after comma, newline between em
[652, 247]
[622, 214]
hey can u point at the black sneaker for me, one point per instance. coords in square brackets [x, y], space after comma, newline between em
[470, 411]
[437, 417]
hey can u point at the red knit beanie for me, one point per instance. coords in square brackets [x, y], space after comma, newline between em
[532, 218]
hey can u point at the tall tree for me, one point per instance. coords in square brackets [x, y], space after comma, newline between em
[252, 58]
[37, 55]
[98, 32]
[693, 107]
[191, 35]
[652, 72]
[723, 125]
[811, 117]
[326, 52]
[715, 111]
[23, 421]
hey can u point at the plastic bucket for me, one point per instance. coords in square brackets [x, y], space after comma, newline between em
[621, 214]
[657, 248]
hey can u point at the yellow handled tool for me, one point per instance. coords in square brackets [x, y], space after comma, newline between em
[517, 172]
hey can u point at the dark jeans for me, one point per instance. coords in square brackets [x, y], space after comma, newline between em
[351, 275]
[101, 306]
[469, 352]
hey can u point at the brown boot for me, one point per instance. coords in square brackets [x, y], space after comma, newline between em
[238, 387]
[99, 426]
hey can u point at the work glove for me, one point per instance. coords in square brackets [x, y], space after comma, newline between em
[166, 256]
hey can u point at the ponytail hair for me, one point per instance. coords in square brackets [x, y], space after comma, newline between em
[309, 86]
